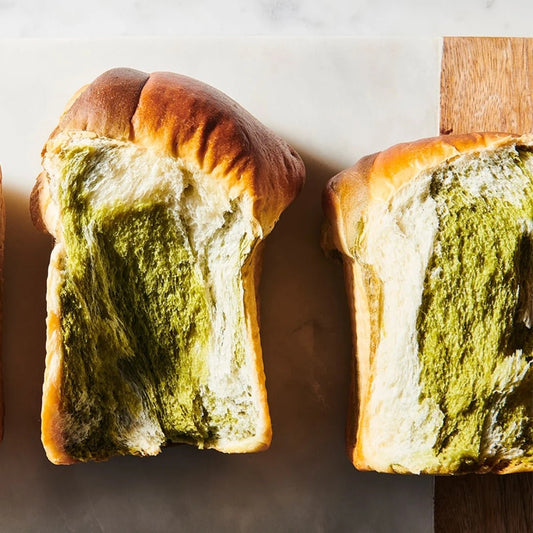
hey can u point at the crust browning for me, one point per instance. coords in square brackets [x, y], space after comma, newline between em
[2, 235]
[376, 178]
[187, 119]
[51, 420]
[251, 274]
[175, 116]
[379, 176]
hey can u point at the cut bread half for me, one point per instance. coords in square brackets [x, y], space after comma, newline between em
[436, 238]
[159, 191]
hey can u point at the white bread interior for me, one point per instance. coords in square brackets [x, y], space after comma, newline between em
[130, 175]
[404, 434]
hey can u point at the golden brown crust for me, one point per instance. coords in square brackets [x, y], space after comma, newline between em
[358, 334]
[345, 198]
[51, 419]
[376, 178]
[2, 235]
[361, 380]
[106, 106]
[401, 163]
[186, 119]
[38, 201]
[251, 274]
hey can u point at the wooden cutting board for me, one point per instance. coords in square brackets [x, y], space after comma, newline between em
[486, 85]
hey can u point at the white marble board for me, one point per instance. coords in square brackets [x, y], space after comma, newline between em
[335, 100]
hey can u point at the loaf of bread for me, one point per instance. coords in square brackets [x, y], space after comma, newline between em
[159, 191]
[2, 235]
[436, 238]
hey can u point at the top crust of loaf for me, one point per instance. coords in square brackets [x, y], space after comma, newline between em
[377, 177]
[187, 119]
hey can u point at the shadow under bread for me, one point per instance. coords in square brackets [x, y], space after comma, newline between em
[307, 350]
[26, 258]
[301, 305]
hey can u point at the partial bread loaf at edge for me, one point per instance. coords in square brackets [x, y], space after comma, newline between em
[231, 175]
[391, 217]
[2, 237]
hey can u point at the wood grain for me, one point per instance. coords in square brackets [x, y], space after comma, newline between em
[486, 85]
[484, 504]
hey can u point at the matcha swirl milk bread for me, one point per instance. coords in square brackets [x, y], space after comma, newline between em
[158, 191]
[436, 238]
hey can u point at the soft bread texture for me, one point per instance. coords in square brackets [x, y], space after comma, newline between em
[165, 139]
[382, 217]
